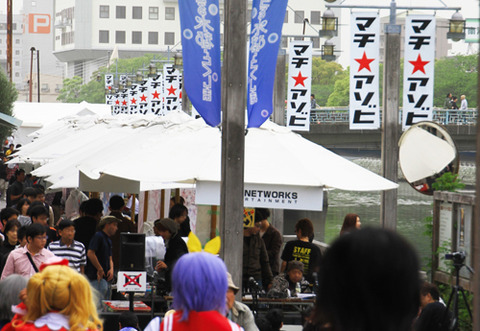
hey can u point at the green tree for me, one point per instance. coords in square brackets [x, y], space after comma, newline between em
[340, 95]
[456, 75]
[70, 92]
[8, 95]
[324, 76]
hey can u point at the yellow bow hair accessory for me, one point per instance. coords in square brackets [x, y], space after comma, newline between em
[194, 244]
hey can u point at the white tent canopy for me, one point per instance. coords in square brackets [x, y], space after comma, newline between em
[158, 152]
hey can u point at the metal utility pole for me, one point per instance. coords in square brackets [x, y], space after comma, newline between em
[9, 39]
[38, 75]
[391, 90]
[233, 136]
[476, 230]
[30, 81]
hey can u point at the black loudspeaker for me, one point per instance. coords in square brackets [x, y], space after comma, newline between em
[132, 251]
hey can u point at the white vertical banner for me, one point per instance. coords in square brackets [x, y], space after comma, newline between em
[116, 104]
[143, 96]
[364, 107]
[109, 82]
[299, 85]
[123, 97]
[418, 69]
[133, 99]
[155, 94]
[171, 90]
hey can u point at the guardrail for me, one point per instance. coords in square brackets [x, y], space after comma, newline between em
[440, 115]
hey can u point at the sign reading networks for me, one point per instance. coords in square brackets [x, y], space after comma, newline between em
[265, 196]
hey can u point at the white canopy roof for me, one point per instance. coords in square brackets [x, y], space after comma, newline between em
[160, 151]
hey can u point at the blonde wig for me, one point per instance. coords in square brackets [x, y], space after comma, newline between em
[63, 290]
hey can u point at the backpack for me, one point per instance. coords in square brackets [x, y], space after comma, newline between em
[279, 289]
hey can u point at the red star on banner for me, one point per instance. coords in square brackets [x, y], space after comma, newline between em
[133, 101]
[418, 64]
[124, 102]
[299, 79]
[171, 90]
[156, 95]
[364, 62]
[117, 102]
[143, 98]
[109, 87]
[180, 96]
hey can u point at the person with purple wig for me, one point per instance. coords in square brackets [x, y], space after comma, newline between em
[199, 298]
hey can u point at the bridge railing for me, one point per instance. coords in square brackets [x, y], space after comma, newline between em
[440, 115]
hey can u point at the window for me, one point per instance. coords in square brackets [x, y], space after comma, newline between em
[120, 37]
[153, 38]
[45, 88]
[17, 63]
[17, 52]
[169, 38]
[315, 17]
[17, 74]
[58, 87]
[286, 17]
[284, 42]
[137, 13]
[104, 11]
[17, 41]
[316, 42]
[299, 16]
[170, 13]
[121, 12]
[0, 51]
[153, 13]
[103, 36]
[136, 37]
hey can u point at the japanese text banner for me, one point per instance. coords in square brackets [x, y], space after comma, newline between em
[265, 36]
[200, 25]
[299, 85]
[418, 70]
[364, 107]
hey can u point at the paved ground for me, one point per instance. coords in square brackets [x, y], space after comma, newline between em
[292, 328]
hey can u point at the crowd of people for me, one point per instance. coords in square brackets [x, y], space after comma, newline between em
[451, 102]
[367, 280]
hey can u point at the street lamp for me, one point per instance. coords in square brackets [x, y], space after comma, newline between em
[178, 60]
[139, 76]
[328, 51]
[329, 24]
[152, 70]
[456, 29]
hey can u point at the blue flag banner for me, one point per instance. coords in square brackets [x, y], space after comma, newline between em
[200, 25]
[265, 37]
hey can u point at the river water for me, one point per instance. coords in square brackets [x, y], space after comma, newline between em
[412, 208]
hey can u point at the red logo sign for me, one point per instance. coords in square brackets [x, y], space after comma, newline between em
[39, 23]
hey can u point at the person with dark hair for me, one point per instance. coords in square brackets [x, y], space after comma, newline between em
[448, 101]
[453, 103]
[116, 205]
[10, 242]
[3, 178]
[128, 321]
[22, 207]
[290, 283]
[369, 281]
[15, 190]
[351, 222]
[255, 259]
[26, 260]
[199, 299]
[303, 250]
[179, 213]
[91, 212]
[41, 197]
[271, 237]
[275, 317]
[30, 193]
[7, 214]
[100, 266]
[263, 324]
[22, 236]
[68, 248]
[39, 214]
[174, 244]
[433, 315]
[237, 311]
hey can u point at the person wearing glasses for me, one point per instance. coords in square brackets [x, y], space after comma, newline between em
[25, 261]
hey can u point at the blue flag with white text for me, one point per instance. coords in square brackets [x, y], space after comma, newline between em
[200, 28]
[265, 37]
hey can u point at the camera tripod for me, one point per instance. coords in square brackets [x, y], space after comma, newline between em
[456, 290]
